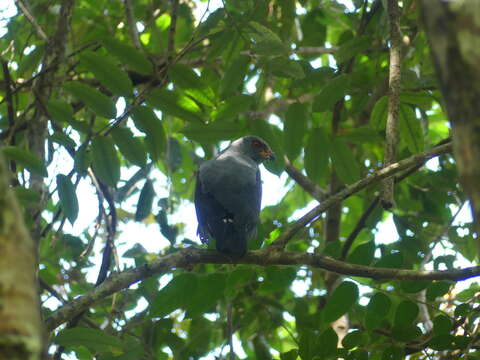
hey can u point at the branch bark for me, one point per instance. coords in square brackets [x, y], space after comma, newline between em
[452, 30]
[20, 327]
[391, 132]
[272, 255]
[265, 257]
[376, 177]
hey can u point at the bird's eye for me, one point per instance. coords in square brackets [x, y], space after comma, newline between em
[257, 144]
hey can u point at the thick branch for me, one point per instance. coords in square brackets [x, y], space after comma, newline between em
[264, 257]
[391, 132]
[376, 177]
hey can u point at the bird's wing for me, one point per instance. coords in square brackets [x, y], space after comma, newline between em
[209, 212]
[236, 185]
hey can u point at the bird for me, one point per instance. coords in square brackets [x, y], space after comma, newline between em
[228, 195]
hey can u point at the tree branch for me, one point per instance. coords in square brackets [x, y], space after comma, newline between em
[131, 23]
[26, 11]
[265, 257]
[391, 140]
[374, 178]
[304, 182]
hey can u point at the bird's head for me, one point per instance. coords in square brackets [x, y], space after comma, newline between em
[254, 147]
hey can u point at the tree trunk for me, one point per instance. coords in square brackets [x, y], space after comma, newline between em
[20, 326]
[452, 29]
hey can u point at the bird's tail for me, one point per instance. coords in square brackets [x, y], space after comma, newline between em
[232, 241]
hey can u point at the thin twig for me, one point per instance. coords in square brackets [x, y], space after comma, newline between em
[172, 30]
[358, 227]
[391, 132]
[230, 329]
[131, 23]
[36, 26]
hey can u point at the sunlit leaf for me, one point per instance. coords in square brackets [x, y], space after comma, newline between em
[68, 197]
[145, 201]
[25, 158]
[105, 161]
[107, 72]
[94, 99]
[94, 339]
[341, 301]
[296, 118]
[128, 55]
[131, 147]
[146, 121]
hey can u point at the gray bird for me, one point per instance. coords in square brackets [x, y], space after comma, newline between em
[228, 195]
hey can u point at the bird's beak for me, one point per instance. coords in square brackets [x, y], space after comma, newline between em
[268, 155]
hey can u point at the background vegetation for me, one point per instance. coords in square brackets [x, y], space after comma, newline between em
[135, 94]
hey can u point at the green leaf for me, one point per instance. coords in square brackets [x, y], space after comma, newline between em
[327, 344]
[193, 85]
[31, 61]
[175, 104]
[377, 310]
[393, 353]
[335, 90]
[82, 160]
[394, 260]
[145, 201]
[378, 118]
[26, 196]
[344, 162]
[354, 339]
[146, 121]
[406, 333]
[406, 313]
[59, 110]
[213, 132]
[284, 67]
[131, 147]
[100, 104]
[107, 73]
[25, 158]
[176, 294]
[341, 301]
[289, 355]
[437, 289]
[105, 161]
[462, 310]
[442, 342]
[442, 324]
[352, 47]
[296, 118]
[232, 80]
[414, 286]
[410, 129]
[265, 41]
[93, 339]
[317, 153]
[174, 154]
[68, 197]
[128, 55]
[234, 106]
[363, 254]
[62, 139]
[210, 289]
